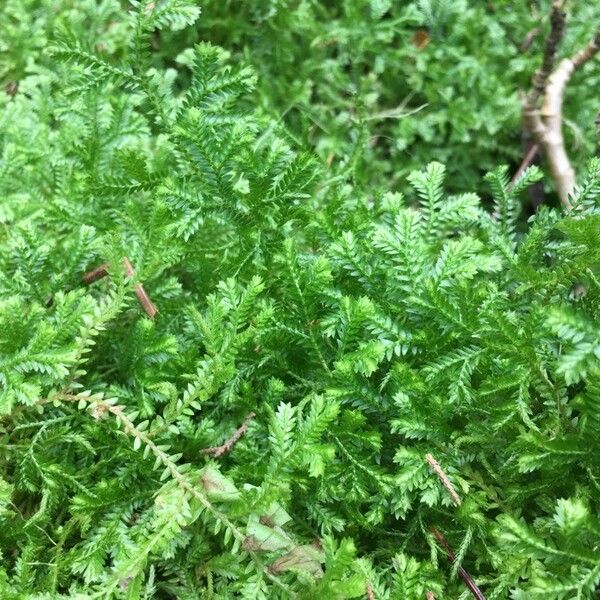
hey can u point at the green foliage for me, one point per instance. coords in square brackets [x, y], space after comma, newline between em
[381, 88]
[266, 434]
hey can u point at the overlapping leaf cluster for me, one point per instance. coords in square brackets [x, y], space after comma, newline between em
[363, 330]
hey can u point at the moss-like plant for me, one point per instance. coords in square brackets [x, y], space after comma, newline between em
[226, 373]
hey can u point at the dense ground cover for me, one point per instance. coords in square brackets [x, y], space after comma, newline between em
[357, 362]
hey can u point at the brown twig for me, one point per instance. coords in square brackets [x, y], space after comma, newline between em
[102, 271]
[369, 591]
[557, 30]
[443, 478]
[140, 292]
[551, 115]
[588, 52]
[526, 162]
[463, 574]
[430, 596]
[96, 274]
[218, 451]
[529, 38]
[549, 83]
[12, 87]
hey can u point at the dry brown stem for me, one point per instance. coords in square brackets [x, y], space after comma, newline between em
[435, 465]
[369, 590]
[463, 574]
[12, 87]
[140, 292]
[529, 38]
[527, 160]
[102, 271]
[549, 83]
[218, 451]
[96, 274]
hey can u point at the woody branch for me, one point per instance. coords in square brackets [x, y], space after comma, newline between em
[545, 122]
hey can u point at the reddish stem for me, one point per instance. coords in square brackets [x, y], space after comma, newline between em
[527, 160]
[96, 274]
[102, 271]
[469, 582]
[140, 292]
